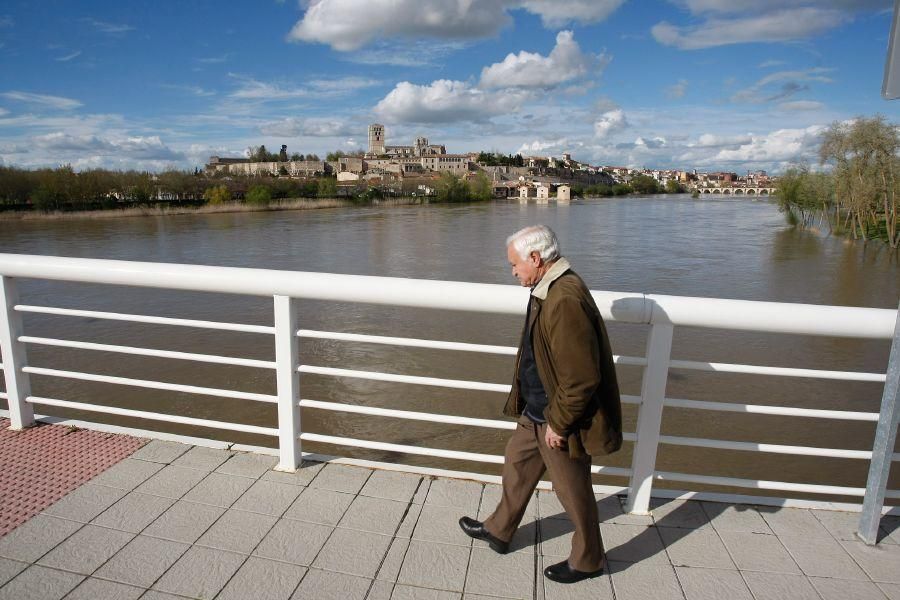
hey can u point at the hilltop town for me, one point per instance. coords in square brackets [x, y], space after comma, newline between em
[415, 170]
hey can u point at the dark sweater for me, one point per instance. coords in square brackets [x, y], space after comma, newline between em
[530, 386]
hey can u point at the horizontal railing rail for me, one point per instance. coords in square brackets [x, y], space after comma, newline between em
[661, 313]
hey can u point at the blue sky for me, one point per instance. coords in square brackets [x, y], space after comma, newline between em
[706, 84]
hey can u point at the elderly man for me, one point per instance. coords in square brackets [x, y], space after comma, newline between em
[566, 397]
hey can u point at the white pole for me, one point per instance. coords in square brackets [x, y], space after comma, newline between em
[883, 448]
[18, 386]
[653, 393]
[287, 357]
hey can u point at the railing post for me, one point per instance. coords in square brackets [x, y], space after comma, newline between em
[653, 393]
[18, 386]
[287, 358]
[883, 449]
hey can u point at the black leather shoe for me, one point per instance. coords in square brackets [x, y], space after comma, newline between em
[475, 529]
[563, 573]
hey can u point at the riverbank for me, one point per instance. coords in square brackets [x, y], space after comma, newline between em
[225, 207]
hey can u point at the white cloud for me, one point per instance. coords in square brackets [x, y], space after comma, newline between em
[445, 101]
[610, 122]
[677, 90]
[3, 112]
[252, 89]
[295, 127]
[348, 25]
[776, 26]
[110, 28]
[801, 105]
[351, 24]
[555, 14]
[539, 148]
[530, 70]
[709, 140]
[42, 100]
[791, 82]
[68, 57]
[780, 146]
[133, 147]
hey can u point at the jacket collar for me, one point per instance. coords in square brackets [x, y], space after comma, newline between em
[556, 270]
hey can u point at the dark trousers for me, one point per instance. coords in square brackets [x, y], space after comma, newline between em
[527, 457]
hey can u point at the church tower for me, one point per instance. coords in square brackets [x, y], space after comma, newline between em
[376, 139]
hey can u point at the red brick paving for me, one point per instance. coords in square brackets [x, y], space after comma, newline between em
[40, 465]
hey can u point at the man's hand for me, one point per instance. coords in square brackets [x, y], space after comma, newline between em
[554, 440]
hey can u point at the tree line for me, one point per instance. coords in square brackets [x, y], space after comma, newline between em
[860, 195]
[639, 184]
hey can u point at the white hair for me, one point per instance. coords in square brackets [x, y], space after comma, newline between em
[536, 238]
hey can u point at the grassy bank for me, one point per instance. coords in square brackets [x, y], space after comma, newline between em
[225, 207]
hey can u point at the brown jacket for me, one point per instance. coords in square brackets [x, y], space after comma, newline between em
[575, 364]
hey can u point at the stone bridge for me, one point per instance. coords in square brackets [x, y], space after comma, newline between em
[739, 190]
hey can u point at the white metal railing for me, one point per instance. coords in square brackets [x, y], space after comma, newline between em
[662, 313]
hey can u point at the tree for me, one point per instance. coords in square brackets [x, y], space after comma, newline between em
[673, 187]
[282, 154]
[296, 156]
[451, 188]
[644, 184]
[259, 195]
[217, 194]
[312, 157]
[327, 187]
[481, 187]
[864, 155]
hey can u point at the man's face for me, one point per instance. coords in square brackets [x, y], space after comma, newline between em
[526, 270]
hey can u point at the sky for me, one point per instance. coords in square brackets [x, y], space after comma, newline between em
[685, 84]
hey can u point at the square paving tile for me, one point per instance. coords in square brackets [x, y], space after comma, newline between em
[686, 514]
[237, 531]
[702, 584]
[200, 573]
[133, 512]
[391, 485]
[127, 474]
[494, 574]
[390, 567]
[439, 523]
[353, 552]
[161, 451]
[633, 543]
[319, 506]
[142, 561]
[779, 586]
[200, 457]
[85, 502]
[302, 476]
[9, 569]
[464, 496]
[409, 522]
[439, 566]
[376, 515]
[40, 583]
[406, 592]
[842, 525]
[891, 590]
[154, 595]
[35, 537]
[295, 542]
[326, 585]
[556, 536]
[268, 497]
[218, 489]
[881, 562]
[695, 548]
[171, 482]
[99, 589]
[823, 557]
[247, 465]
[380, 590]
[490, 498]
[610, 510]
[341, 478]
[844, 589]
[793, 521]
[644, 580]
[261, 579]
[86, 550]
[758, 552]
[184, 521]
[735, 517]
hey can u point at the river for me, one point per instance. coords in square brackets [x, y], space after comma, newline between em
[722, 247]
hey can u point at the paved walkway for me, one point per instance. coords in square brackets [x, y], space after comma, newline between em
[174, 521]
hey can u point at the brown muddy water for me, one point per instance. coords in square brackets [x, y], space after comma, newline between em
[720, 248]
